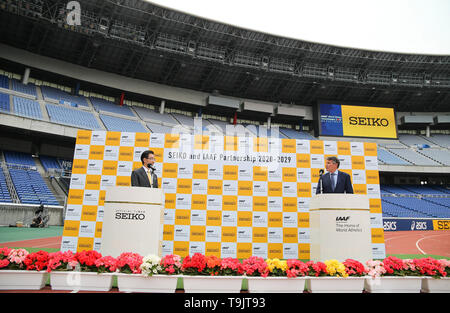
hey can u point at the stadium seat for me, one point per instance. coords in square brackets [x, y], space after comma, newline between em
[152, 116]
[414, 157]
[27, 108]
[4, 102]
[438, 155]
[108, 106]
[29, 89]
[63, 97]
[49, 162]
[113, 123]
[385, 157]
[19, 158]
[4, 192]
[4, 82]
[72, 117]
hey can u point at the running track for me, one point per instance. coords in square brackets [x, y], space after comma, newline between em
[400, 242]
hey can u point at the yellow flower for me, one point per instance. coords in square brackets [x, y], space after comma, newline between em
[276, 264]
[335, 268]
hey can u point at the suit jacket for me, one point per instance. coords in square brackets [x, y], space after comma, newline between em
[139, 178]
[343, 184]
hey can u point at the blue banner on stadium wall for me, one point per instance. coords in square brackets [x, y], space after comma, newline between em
[407, 224]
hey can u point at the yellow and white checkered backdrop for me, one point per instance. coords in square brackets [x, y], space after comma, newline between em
[224, 196]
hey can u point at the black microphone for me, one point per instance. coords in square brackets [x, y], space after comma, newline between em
[320, 179]
[151, 167]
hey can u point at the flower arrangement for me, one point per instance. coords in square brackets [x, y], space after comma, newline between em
[231, 267]
[62, 261]
[276, 267]
[87, 259]
[171, 264]
[255, 266]
[151, 264]
[354, 268]
[432, 267]
[316, 269]
[106, 264]
[213, 264]
[194, 265]
[336, 268]
[296, 268]
[4, 252]
[129, 263]
[37, 261]
[16, 258]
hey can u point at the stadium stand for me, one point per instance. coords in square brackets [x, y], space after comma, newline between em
[441, 140]
[19, 158]
[27, 108]
[295, 134]
[385, 157]
[438, 155]
[152, 116]
[4, 102]
[113, 123]
[4, 192]
[49, 162]
[414, 157]
[28, 89]
[4, 82]
[107, 106]
[72, 117]
[63, 97]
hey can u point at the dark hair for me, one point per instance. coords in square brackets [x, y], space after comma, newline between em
[334, 159]
[145, 154]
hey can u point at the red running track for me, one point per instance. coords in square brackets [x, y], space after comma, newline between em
[399, 242]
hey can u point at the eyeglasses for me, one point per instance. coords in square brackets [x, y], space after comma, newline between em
[151, 158]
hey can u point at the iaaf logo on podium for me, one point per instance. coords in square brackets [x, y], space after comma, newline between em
[342, 218]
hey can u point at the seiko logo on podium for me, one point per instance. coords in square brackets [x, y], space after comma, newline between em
[128, 215]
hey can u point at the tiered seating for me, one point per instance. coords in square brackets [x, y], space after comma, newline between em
[417, 208]
[414, 157]
[4, 102]
[394, 189]
[155, 117]
[385, 157]
[393, 210]
[442, 156]
[441, 140]
[113, 123]
[31, 188]
[72, 117]
[29, 89]
[27, 108]
[412, 140]
[49, 162]
[295, 134]
[108, 106]
[63, 97]
[156, 128]
[186, 121]
[4, 82]
[19, 158]
[4, 192]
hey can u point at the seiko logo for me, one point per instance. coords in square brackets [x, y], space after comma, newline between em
[130, 216]
[368, 121]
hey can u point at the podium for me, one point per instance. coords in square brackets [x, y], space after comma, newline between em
[132, 221]
[340, 227]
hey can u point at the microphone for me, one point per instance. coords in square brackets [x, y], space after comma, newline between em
[151, 167]
[320, 179]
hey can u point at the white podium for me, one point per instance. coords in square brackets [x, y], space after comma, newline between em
[340, 227]
[132, 221]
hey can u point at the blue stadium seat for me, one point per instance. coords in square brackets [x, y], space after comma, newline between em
[29, 89]
[4, 192]
[63, 97]
[4, 102]
[27, 108]
[113, 123]
[386, 157]
[49, 162]
[19, 158]
[105, 105]
[4, 82]
[72, 117]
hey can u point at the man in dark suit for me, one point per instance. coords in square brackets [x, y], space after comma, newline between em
[334, 181]
[145, 176]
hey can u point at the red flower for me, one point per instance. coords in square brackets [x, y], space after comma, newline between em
[129, 263]
[296, 268]
[87, 260]
[194, 265]
[354, 268]
[61, 261]
[255, 266]
[37, 261]
[316, 269]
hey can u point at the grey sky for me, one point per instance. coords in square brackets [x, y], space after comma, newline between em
[407, 26]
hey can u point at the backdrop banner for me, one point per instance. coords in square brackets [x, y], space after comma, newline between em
[227, 196]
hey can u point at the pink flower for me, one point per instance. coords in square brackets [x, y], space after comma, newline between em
[255, 266]
[106, 264]
[171, 263]
[129, 263]
[16, 258]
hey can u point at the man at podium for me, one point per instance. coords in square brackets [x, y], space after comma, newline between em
[334, 181]
[145, 176]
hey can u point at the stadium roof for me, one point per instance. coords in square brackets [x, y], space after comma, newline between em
[141, 40]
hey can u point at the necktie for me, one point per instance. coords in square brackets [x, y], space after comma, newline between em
[149, 175]
[333, 182]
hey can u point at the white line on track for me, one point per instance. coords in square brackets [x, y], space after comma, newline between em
[417, 242]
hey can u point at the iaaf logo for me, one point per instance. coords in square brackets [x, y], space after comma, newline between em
[342, 218]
